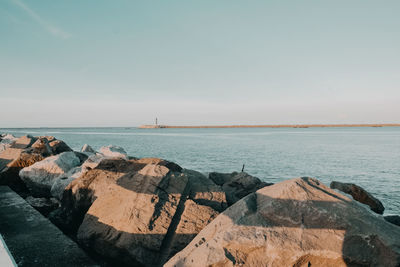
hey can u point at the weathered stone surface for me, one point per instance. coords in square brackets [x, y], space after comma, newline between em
[113, 152]
[79, 195]
[40, 176]
[24, 142]
[359, 194]
[299, 222]
[57, 189]
[41, 145]
[394, 219]
[59, 146]
[237, 185]
[43, 205]
[139, 211]
[87, 149]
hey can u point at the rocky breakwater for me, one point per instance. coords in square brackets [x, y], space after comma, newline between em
[150, 211]
[139, 211]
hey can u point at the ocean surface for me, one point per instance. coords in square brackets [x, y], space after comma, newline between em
[367, 156]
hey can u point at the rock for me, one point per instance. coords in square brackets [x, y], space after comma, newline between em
[87, 149]
[43, 205]
[6, 141]
[139, 211]
[394, 219]
[299, 222]
[24, 142]
[157, 161]
[113, 152]
[58, 146]
[150, 210]
[57, 189]
[40, 176]
[237, 185]
[79, 195]
[42, 146]
[14, 158]
[359, 194]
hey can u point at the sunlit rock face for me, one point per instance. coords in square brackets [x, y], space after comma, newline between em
[139, 211]
[41, 176]
[359, 194]
[299, 222]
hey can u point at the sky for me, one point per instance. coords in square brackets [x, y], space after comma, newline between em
[123, 63]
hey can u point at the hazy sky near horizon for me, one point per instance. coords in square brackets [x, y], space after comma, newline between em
[123, 63]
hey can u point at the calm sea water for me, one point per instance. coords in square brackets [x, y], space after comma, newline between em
[369, 157]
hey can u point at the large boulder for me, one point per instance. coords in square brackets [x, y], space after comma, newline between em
[40, 176]
[113, 152]
[139, 211]
[359, 194]
[299, 222]
[237, 185]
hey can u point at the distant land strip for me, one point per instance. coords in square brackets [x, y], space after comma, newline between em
[273, 126]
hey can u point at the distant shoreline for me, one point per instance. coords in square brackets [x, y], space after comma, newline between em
[273, 126]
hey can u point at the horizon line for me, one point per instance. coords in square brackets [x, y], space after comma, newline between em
[152, 126]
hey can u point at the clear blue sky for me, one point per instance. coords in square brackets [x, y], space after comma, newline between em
[123, 63]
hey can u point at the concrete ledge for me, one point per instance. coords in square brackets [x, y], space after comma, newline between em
[32, 239]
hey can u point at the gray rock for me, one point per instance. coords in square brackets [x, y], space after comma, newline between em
[40, 176]
[359, 194]
[87, 149]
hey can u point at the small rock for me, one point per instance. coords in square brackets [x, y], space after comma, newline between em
[237, 185]
[88, 149]
[113, 152]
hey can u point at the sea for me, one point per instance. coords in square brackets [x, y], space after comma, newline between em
[366, 156]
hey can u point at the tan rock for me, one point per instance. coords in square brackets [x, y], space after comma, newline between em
[299, 222]
[140, 211]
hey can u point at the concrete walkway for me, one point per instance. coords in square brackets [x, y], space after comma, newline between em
[32, 239]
